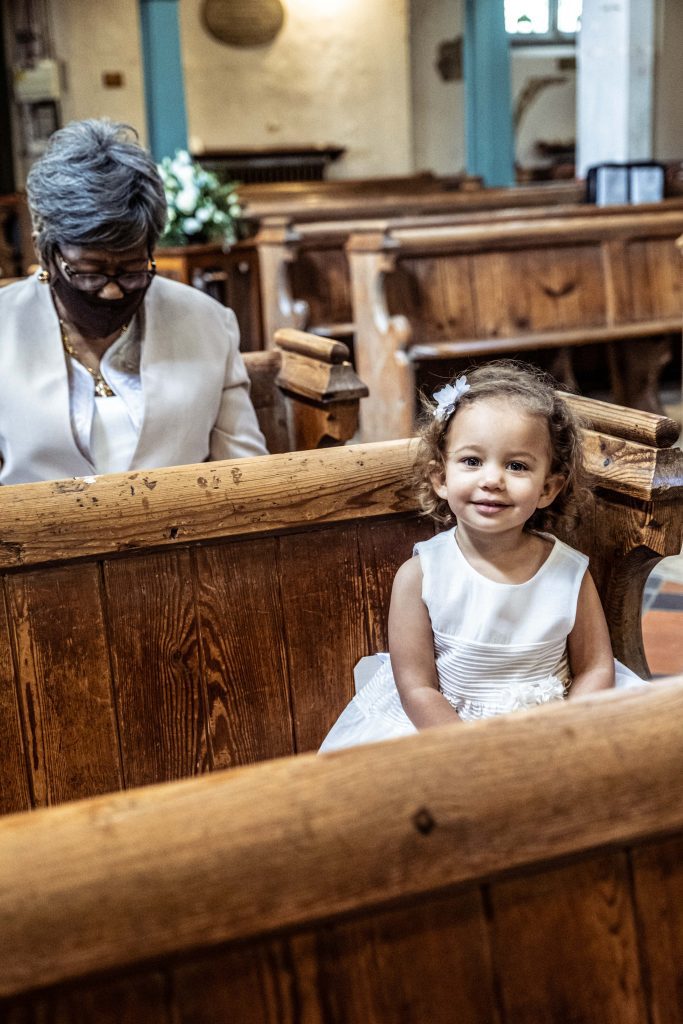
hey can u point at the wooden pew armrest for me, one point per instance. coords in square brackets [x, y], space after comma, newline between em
[317, 368]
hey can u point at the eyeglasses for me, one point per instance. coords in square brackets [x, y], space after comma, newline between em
[128, 281]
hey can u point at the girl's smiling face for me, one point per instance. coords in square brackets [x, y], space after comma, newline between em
[496, 467]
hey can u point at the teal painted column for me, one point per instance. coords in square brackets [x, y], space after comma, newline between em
[163, 77]
[488, 98]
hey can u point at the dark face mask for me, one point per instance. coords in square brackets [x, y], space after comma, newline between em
[91, 316]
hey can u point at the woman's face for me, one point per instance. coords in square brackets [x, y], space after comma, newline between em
[98, 292]
[127, 270]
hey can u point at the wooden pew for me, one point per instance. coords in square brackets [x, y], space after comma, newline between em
[523, 869]
[471, 291]
[305, 392]
[163, 624]
[398, 203]
[304, 269]
[233, 275]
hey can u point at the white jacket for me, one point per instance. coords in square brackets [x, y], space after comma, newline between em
[195, 388]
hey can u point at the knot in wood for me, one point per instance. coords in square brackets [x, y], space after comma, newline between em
[423, 821]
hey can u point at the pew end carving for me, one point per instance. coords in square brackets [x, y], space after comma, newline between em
[305, 392]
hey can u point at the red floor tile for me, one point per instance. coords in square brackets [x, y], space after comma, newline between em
[663, 637]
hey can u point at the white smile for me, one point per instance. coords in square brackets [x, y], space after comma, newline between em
[490, 506]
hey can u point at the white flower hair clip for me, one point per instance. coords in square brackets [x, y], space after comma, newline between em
[448, 396]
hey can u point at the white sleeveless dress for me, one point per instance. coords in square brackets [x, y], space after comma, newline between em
[499, 647]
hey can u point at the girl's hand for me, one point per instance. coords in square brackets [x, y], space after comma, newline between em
[411, 645]
[590, 652]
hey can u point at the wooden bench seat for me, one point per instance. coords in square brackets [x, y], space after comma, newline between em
[467, 290]
[162, 624]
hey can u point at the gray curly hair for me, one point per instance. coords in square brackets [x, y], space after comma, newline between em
[532, 391]
[95, 186]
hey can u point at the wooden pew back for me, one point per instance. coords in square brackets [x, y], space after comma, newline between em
[163, 624]
[483, 290]
[317, 207]
[522, 869]
[304, 267]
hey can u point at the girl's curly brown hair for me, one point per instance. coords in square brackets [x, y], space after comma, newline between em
[533, 391]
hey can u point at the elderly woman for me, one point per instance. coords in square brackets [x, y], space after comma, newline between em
[103, 366]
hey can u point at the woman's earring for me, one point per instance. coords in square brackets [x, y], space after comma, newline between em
[44, 276]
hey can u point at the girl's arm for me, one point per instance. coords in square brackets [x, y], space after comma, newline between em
[590, 652]
[411, 645]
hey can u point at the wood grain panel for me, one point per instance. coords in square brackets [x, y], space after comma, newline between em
[154, 651]
[658, 884]
[245, 663]
[322, 601]
[322, 279]
[537, 290]
[426, 962]
[259, 984]
[17, 1013]
[15, 793]
[65, 683]
[172, 869]
[436, 295]
[383, 548]
[653, 280]
[133, 999]
[564, 945]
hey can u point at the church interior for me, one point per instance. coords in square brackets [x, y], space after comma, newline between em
[292, 292]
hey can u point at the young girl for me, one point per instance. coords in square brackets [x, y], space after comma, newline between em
[494, 614]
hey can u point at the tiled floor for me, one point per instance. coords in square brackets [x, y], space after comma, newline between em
[663, 627]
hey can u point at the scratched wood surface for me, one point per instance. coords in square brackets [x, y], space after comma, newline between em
[44, 523]
[473, 884]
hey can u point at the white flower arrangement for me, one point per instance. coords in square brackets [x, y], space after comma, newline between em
[200, 207]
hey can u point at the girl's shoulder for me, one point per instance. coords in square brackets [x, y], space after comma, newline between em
[436, 543]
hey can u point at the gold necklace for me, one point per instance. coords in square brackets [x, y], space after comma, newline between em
[102, 389]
